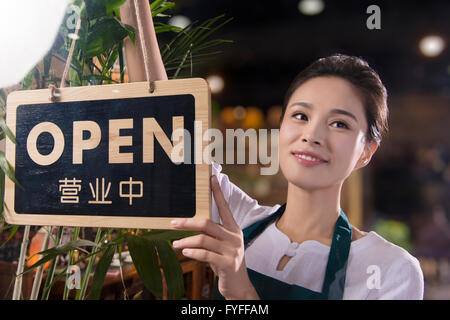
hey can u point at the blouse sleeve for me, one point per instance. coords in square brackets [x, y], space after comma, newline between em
[404, 281]
[245, 209]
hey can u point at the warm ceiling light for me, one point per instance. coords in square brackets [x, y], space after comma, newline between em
[311, 7]
[179, 21]
[239, 112]
[431, 46]
[216, 83]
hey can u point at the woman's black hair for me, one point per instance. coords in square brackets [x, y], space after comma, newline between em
[358, 72]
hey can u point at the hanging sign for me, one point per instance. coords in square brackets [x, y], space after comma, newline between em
[109, 155]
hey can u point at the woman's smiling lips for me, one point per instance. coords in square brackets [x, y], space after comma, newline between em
[308, 159]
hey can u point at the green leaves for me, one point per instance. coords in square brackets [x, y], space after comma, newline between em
[144, 251]
[105, 31]
[2, 194]
[28, 80]
[4, 164]
[6, 130]
[105, 34]
[8, 169]
[52, 253]
[192, 43]
[87, 272]
[100, 272]
[100, 37]
[13, 231]
[100, 8]
[173, 273]
[151, 254]
[2, 99]
[162, 27]
[159, 6]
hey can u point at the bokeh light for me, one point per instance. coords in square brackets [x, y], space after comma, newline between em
[239, 112]
[179, 21]
[431, 46]
[311, 7]
[216, 83]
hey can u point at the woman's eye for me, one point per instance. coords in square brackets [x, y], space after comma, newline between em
[339, 124]
[300, 116]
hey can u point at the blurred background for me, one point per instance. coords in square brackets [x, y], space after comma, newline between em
[405, 191]
[404, 194]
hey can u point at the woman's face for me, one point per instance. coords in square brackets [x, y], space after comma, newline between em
[322, 135]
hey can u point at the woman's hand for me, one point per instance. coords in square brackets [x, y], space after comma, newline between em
[221, 246]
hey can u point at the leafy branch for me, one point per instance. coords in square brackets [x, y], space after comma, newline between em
[98, 50]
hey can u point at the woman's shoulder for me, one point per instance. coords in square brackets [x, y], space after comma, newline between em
[372, 242]
[400, 274]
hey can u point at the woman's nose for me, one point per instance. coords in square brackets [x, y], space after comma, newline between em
[309, 139]
[313, 135]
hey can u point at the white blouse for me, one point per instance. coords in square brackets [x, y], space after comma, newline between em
[376, 269]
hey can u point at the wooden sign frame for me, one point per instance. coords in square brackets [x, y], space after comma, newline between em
[197, 87]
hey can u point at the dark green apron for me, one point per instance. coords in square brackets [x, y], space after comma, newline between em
[334, 282]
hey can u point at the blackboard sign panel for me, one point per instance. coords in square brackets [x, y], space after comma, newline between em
[97, 185]
[94, 158]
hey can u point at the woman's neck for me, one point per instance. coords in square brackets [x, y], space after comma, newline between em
[310, 215]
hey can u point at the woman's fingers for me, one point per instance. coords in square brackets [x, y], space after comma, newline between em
[204, 256]
[201, 225]
[206, 225]
[202, 241]
[222, 206]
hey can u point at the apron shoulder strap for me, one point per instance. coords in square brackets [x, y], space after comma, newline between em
[254, 230]
[334, 281]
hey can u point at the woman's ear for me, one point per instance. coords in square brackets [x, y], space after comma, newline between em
[369, 151]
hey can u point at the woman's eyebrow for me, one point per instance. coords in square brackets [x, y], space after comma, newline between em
[303, 104]
[338, 111]
[344, 112]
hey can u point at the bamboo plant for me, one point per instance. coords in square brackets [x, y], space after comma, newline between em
[99, 45]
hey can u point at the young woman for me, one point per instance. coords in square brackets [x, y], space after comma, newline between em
[334, 115]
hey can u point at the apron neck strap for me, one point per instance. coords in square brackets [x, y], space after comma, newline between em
[334, 281]
[254, 230]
